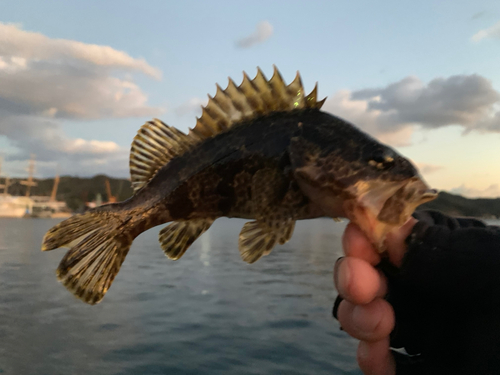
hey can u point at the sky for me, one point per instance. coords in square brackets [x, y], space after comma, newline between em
[79, 78]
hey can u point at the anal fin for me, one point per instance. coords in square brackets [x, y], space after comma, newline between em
[258, 238]
[176, 237]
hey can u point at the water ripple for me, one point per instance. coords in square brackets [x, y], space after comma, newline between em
[209, 313]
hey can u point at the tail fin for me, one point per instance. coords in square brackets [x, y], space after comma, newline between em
[97, 250]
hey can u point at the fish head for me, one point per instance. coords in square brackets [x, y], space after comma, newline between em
[385, 202]
[354, 176]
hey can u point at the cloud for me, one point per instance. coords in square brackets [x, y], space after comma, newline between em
[192, 106]
[427, 169]
[69, 79]
[35, 46]
[48, 90]
[46, 81]
[492, 191]
[263, 31]
[492, 32]
[478, 15]
[462, 99]
[47, 140]
[379, 124]
[391, 113]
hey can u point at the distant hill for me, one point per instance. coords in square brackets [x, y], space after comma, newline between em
[457, 205]
[75, 191]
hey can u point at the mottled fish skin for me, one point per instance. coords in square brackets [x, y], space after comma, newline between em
[262, 151]
[215, 178]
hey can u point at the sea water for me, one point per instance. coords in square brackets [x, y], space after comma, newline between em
[208, 313]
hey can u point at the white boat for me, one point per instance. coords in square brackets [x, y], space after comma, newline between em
[31, 206]
[11, 206]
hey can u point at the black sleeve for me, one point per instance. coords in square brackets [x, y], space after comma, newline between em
[446, 297]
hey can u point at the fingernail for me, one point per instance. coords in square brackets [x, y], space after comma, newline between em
[336, 270]
[336, 305]
[342, 280]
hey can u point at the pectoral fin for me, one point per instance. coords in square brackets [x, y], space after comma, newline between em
[176, 237]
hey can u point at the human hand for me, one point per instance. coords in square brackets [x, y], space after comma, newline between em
[364, 314]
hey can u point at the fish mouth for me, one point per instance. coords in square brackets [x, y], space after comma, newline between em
[380, 206]
[377, 206]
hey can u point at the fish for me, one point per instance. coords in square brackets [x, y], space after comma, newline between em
[262, 151]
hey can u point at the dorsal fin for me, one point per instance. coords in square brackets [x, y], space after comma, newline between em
[153, 146]
[253, 98]
[156, 143]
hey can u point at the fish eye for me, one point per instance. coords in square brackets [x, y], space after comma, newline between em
[382, 159]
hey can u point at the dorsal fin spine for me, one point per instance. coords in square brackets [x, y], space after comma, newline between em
[313, 95]
[232, 96]
[250, 91]
[236, 96]
[215, 112]
[263, 89]
[320, 103]
[278, 88]
[222, 105]
[205, 126]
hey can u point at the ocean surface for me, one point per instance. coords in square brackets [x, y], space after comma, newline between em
[208, 313]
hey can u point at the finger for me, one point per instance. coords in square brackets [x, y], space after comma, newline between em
[383, 289]
[382, 293]
[357, 281]
[395, 241]
[356, 244]
[371, 322]
[375, 358]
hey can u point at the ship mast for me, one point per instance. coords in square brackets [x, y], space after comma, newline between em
[1, 186]
[29, 182]
[5, 185]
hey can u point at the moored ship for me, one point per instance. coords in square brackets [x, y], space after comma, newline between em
[11, 206]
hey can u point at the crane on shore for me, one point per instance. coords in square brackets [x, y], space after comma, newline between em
[111, 197]
[54, 188]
